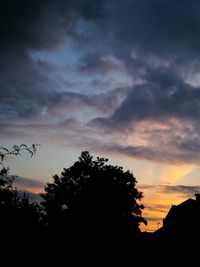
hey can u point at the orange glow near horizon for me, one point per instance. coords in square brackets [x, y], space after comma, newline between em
[36, 190]
[157, 204]
[153, 175]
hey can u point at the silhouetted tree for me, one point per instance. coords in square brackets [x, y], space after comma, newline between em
[14, 151]
[18, 216]
[92, 199]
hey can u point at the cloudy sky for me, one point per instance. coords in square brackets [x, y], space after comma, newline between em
[120, 78]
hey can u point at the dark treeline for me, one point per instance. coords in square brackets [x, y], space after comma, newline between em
[90, 214]
[92, 210]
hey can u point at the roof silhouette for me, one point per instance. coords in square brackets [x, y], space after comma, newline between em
[182, 220]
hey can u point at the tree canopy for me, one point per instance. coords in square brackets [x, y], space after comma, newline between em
[95, 197]
[17, 214]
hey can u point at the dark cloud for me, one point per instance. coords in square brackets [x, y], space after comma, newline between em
[163, 96]
[103, 101]
[27, 84]
[163, 112]
[25, 88]
[183, 190]
[28, 184]
[145, 35]
[161, 154]
[158, 208]
[146, 186]
[98, 83]
[186, 190]
[163, 28]
[42, 24]
[96, 65]
[54, 107]
[155, 43]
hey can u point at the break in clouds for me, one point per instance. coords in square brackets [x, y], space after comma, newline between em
[117, 76]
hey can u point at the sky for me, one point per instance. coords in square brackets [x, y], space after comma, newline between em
[118, 78]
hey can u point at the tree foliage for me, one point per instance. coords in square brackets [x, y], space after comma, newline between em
[9, 197]
[16, 212]
[14, 151]
[95, 197]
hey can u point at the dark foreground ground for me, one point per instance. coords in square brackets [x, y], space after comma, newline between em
[145, 250]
